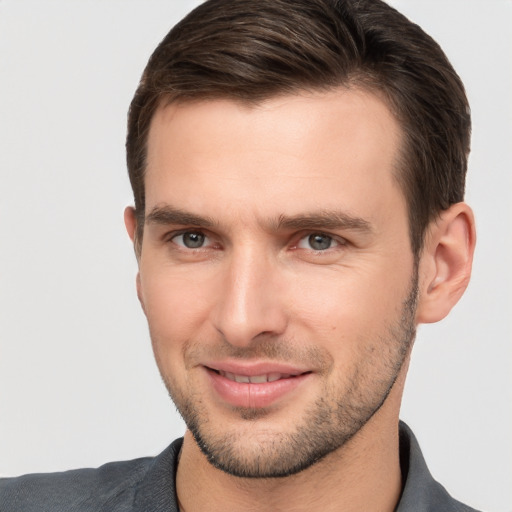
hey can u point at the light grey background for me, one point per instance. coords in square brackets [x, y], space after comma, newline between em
[78, 385]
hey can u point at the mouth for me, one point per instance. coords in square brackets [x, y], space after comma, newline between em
[256, 386]
[256, 379]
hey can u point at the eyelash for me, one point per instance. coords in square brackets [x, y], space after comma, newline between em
[331, 240]
[173, 236]
[337, 241]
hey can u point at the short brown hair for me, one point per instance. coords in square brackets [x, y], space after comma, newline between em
[251, 50]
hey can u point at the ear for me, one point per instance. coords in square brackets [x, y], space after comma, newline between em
[130, 221]
[445, 263]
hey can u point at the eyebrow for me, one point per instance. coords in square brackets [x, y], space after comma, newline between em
[325, 219]
[167, 214]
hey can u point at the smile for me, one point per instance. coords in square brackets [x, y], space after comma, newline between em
[255, 379]
[255, 387]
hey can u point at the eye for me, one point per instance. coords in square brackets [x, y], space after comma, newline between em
[190, 239]
[317, 242]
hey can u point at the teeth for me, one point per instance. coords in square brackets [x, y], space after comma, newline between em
[255, 379]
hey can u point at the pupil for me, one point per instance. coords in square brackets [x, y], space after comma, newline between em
[193, 240]
[319, 242]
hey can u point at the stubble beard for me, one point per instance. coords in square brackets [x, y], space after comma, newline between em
[326, 425]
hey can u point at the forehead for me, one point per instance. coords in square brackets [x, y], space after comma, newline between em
[293, 150]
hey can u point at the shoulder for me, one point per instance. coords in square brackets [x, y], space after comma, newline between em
[421, 493]
[78, 489]
[111, 487]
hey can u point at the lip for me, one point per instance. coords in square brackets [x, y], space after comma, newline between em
[255, 368]
[254, 395]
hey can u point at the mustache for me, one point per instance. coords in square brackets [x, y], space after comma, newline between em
[268, 348]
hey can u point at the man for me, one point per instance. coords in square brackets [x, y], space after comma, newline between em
[298, 170]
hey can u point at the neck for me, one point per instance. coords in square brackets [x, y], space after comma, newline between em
[364, 475]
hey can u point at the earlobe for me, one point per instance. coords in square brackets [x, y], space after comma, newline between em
[446, 260]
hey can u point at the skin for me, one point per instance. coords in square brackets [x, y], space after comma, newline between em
[249, 186]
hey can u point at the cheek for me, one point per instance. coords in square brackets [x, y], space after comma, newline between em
[349, 307]
[175, 307]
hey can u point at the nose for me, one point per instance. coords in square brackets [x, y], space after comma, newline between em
[250, 300]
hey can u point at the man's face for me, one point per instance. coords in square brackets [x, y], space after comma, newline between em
[276, 272]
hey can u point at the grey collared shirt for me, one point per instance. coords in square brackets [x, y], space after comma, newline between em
[148, 485]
